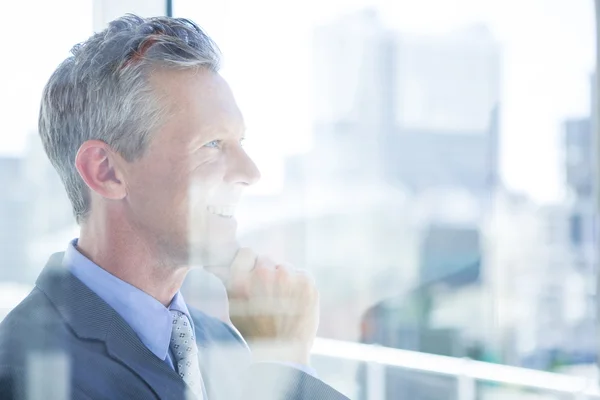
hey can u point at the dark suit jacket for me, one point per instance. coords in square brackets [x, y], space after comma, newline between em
[63, 341]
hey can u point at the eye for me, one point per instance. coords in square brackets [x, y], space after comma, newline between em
[215, 144]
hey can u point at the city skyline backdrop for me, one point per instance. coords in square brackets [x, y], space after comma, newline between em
[547, 53]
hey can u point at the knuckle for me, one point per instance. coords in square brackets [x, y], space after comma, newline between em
[284, 270]
[262, 274]
[285, 267]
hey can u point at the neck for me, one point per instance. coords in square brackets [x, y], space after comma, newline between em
[126, 255]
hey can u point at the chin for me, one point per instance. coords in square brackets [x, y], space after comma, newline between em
[213, 254]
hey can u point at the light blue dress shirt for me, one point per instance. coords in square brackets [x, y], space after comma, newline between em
[134, 305]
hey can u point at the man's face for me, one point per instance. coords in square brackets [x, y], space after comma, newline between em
[183, 191]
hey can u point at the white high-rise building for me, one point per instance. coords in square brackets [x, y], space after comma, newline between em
[447, 83]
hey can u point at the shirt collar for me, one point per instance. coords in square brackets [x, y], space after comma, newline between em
[148, 318]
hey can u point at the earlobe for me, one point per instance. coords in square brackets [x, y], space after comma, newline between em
[97, 166]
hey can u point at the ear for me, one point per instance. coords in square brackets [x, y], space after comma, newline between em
[99, 167]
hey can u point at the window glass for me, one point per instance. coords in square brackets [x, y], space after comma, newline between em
[432, 164]
[35, 215]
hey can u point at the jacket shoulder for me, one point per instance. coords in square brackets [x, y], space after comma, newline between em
[33, 310]
[29, 322]
[27, 328]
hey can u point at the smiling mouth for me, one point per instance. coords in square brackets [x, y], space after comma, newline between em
[222, 211]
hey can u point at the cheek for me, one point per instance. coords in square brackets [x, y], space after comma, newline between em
[204, 182]
[161, 193]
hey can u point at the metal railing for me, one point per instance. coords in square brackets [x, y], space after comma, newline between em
[467, 372]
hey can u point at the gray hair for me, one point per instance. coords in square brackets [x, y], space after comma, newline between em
[102, 91]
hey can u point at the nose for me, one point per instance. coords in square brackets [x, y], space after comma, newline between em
[242, 170]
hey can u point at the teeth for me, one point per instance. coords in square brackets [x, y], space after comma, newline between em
[222, 211]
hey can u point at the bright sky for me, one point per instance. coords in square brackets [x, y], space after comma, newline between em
[548, 55]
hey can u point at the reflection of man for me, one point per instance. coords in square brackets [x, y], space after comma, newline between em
[147, 139]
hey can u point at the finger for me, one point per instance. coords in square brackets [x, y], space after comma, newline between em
[240, 269]
[265, 262]
[244, 261]
[304, 290]
[262, 276]
[285, 266]
[221, 268]
[305, 274]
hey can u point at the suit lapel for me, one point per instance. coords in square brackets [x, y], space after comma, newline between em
[124, 345]
[92, 318]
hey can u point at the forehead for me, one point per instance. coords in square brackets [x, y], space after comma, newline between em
[198, 103]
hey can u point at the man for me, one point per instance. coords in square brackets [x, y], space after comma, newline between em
[147, 139]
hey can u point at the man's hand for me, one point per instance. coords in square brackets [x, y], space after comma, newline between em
[274, 306]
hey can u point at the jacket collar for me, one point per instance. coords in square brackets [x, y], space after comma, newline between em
[91, 318]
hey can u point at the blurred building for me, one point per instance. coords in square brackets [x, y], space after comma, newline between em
[579, 156]
[450, 254]
[560, 327]
[445, 120]
[35, 214]
[352, 103]
[420, 114]
[566, 304]
[414, 111]
[13, 217]
[582, 182]
[50, 223]
[580, 168]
